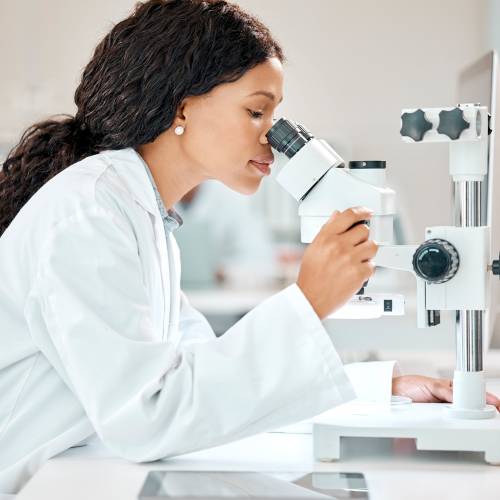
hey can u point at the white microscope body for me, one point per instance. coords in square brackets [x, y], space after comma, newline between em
[452, 266]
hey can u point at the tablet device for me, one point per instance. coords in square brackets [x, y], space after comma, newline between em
[239, 485]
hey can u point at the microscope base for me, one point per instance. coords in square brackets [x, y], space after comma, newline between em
[428, 424]
[487, 412]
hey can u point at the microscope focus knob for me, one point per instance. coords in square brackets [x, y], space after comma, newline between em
[415, 125]
[452, 123]
[436, 261]
[495, 267]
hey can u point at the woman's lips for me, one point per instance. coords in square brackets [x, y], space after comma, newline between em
[263, 167]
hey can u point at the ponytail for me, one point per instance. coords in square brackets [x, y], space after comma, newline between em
[45, 149]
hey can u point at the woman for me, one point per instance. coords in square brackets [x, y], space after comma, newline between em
[96, 336]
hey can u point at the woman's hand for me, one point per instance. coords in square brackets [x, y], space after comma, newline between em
[337, 263]
[430, 390]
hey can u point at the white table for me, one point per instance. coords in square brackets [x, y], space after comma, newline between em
[227, 300]
[393, 469]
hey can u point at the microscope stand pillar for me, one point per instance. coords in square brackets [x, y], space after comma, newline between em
[469, 390]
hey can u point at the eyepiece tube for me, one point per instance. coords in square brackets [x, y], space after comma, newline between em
[288, 137]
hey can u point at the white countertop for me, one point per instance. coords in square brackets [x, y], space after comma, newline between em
[227, 300]
[393, 469]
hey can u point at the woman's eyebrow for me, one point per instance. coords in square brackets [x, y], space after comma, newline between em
[270, 95]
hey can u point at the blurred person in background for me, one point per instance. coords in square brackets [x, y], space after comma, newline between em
[224, 240]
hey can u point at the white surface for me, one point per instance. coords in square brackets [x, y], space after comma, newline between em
[393, 471]
[227, 300]
[339, 190]
[468, 288]
[300, 173]
[469, 393]
[370, 306]
[429, 424]
[238, 301]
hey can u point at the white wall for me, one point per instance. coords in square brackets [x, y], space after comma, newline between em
[44, 45]
[352, 65]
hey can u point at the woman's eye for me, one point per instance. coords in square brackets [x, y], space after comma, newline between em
[256, 114]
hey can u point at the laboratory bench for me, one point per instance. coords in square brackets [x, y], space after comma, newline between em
[393, 469]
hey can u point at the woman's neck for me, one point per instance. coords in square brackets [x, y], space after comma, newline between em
[174, 175]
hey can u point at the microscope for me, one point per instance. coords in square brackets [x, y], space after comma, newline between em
[452, 266]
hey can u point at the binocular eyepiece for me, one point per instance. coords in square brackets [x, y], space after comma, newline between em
[288, 137]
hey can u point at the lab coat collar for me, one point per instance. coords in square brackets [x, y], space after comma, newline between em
[130, 167]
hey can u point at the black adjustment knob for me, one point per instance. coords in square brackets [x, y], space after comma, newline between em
[436, 261]
[452, 123]
[414, 125]
[495, 267]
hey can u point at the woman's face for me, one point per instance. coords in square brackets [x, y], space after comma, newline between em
[225, 129]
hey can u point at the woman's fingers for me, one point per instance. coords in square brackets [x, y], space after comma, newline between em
[491, 399]
[331, 272]
[442, 389]
[357, 234]
[365, 251]
[431, 390]
[341, 222]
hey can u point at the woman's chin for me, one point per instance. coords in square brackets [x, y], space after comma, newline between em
[247, 186]
[250, 187]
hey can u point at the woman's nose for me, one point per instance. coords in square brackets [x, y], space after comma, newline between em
[263, 137]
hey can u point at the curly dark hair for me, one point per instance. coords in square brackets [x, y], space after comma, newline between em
[131, 89]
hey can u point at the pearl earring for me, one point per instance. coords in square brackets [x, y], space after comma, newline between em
[179, 130]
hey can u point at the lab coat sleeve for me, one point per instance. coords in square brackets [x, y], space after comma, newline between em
[193, 326]
[148, 399]
[372, 381]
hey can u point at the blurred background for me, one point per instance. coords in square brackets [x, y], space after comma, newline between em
[351, 67]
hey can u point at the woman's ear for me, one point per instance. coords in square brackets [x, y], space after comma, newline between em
[185, 108]
[181, 110]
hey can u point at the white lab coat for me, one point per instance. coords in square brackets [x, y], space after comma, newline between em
[96, 336]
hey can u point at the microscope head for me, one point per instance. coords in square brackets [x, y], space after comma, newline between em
[312, 172]
[301, 159]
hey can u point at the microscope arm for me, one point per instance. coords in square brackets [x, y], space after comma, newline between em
[400, 257]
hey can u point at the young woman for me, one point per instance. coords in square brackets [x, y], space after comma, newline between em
[96, 336]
